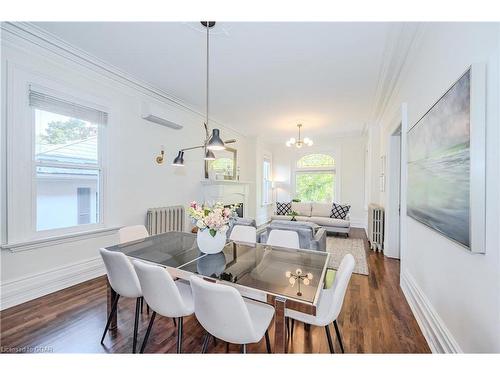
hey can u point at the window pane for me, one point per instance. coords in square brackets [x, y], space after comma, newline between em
[314, 187]
[66, 197]
[316, 161]
[222, 165]
[64, 139]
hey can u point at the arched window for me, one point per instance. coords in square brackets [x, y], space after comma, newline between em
[315, 178]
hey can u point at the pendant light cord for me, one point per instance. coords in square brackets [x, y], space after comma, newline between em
[208, 30]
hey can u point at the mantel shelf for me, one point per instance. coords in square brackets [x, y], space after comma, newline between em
[225, 182]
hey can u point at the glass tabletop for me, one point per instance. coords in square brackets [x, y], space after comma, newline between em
[171, 249]
[291, 273]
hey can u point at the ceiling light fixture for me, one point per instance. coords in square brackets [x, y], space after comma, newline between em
[299, 142]
[213, 142]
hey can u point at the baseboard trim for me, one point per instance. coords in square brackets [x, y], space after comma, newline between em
[28, 288]
[437, 335]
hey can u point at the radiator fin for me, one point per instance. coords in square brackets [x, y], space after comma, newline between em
[376, 227]
[165, 219]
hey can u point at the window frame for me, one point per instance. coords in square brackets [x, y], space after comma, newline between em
[333, 170]
[37, 234]
[20, 167]
[267, 192]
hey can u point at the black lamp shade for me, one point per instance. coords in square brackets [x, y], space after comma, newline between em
[215, 143]
[209, 155]
[179, 159]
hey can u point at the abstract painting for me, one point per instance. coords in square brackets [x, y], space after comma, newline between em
[439, 165]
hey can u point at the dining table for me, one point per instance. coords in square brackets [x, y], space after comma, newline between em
[285, 278]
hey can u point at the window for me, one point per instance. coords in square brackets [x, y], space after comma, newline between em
[266, 182]
[315, 178]
[67, 162]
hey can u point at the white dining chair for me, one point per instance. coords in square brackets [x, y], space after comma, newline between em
[330, 303]
[226, 315]
[124, 281]
[169, 298]
[132, 233]
[244, 233]
[283, 238]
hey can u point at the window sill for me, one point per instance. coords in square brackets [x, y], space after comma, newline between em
[50, 241]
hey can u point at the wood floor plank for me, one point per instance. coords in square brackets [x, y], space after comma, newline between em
[375, 319]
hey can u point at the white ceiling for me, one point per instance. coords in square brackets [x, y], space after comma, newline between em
[265, 77]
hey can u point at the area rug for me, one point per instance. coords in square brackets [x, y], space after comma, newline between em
[338, 247]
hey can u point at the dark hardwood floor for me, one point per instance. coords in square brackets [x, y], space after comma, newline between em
[375, 319]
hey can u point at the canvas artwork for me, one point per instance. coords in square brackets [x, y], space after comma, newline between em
[439, 165]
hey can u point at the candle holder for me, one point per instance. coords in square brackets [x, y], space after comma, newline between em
[300, 277]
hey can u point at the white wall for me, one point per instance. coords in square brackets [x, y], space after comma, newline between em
[134, 182]
[349, 154]
[454, 294]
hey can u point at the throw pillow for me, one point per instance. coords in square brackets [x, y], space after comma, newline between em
[283, 208]
[339, 211]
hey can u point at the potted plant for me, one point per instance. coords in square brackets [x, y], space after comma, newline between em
[212, 223]
[293, 214]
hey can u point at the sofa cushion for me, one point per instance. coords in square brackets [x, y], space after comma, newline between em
[339, 211]
[283, 208]
[321, 209]
[330, 222]
[281, 217]
[302, 209]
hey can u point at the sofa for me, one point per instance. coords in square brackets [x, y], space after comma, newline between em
[317, 213]
[311, 236]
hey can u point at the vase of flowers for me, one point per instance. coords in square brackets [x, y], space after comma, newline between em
[212, 223]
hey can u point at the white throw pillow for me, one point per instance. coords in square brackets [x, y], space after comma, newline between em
[321, 209]
[302, 209]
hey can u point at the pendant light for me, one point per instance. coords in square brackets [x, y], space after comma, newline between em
[213, 141]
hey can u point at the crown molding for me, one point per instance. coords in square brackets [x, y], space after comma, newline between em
[403, 40]
[47, 41]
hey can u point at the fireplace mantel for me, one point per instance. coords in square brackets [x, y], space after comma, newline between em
[227, 192]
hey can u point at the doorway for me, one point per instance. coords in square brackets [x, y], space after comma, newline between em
[393, 209]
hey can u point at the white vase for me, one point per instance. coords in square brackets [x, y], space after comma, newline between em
[209, 244]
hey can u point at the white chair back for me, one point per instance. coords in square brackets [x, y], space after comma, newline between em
[284, 238]
[334, 296]
[244, 233]
[220, 309]
[132, 233]
[160, 291]
[121, 274]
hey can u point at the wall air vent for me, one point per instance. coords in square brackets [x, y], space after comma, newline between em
[159, 116]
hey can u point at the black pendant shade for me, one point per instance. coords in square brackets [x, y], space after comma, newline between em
[215, 143]
[209, 155]
[179, 159]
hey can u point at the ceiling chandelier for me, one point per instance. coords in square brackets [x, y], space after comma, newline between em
[299, 142]
[212, 142]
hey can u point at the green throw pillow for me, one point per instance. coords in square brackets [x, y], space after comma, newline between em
[330, 276]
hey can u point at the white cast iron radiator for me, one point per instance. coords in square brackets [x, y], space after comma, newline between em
[376, 226]
[165, 219]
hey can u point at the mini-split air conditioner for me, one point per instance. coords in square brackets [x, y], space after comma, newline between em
[158, 115]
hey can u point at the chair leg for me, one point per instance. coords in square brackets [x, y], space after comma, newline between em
[175, 323]
[337, 330]
[215, 341]
[147, 308]
[268, 342]
[146, 337]
[113, 310]
[329, 337]
[287, 321]
[206, 339]
[291, 329]
[142, 303]
[244, 349]
[179, 335]
[227, 347]
[136, 323]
